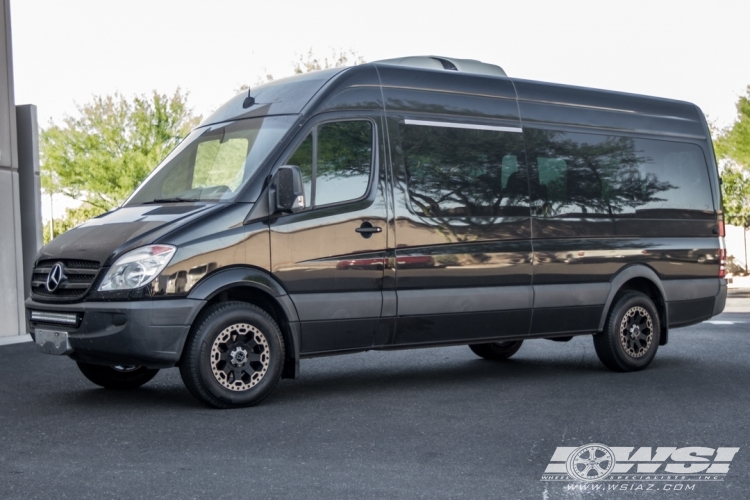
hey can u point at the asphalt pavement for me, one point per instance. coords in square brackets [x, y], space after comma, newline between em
[431, 423]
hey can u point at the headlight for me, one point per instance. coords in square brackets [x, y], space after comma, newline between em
[137, 267]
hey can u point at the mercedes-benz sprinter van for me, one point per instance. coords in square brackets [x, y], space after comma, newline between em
[417, 202]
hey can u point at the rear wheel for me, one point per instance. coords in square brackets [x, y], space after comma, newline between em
[117, 377]
[233, 357]
[631, 333]
[496, 351]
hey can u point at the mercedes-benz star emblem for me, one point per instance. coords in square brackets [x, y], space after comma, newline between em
[54, 277]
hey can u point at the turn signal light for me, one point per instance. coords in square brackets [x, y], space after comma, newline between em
[722, 255]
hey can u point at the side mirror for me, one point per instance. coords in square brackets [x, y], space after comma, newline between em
[288, 194]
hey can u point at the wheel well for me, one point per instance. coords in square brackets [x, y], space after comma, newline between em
[645, 285]
[266, 302]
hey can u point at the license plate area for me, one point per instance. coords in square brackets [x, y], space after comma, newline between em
[53, 342]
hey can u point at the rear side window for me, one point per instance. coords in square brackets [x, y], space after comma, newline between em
[617, 176]
[464, 172]
[336, 161]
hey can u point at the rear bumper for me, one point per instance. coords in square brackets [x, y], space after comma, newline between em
[148, 333]
[721, 298]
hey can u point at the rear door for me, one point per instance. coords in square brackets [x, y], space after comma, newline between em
[330, 256]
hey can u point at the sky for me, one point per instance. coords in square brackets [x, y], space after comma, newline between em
[66, 51]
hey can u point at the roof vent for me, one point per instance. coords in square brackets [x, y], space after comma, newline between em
[447, 63]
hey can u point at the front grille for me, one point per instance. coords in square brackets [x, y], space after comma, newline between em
[78, 276]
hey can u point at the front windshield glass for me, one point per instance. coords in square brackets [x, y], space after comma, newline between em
[213, 163]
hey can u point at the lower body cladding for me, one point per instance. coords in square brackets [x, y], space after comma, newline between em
[423, 317]
[144, 333]
[153, 332]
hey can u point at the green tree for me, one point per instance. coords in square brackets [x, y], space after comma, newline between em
[101, 155]
[305, 63]
[735, 191]
[733, 146]
[71, 218]
[338, 59]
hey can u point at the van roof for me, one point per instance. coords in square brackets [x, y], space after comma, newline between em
[291, 95]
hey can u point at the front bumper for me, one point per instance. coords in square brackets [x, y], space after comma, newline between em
[147, 333]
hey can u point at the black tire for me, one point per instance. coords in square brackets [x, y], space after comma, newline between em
[117, 377]
[496, 351]
[631, 333]
[233, 356]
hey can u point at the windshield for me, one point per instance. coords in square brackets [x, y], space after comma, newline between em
[213, 163]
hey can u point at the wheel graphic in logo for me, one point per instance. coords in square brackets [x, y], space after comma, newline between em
[592, 462]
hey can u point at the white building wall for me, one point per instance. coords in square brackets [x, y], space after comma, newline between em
[738, 247]
[12, 320]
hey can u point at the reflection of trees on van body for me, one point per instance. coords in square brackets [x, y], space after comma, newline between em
[478, 175]
[462, 181]
[344, 149]
[604, 177]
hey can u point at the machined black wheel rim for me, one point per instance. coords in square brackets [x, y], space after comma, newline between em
[636, 331]
[240, 357]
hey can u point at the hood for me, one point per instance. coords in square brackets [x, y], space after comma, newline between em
[115, 232]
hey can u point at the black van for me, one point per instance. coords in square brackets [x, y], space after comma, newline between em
[416, 202]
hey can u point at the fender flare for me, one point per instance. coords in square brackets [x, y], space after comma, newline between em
[244, 276]
[626, 274]
[250, 277]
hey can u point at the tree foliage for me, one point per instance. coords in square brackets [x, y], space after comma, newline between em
[71, 218]
[338, 59]
[733, 146]
[735, 190]
[102, 155]
[304, 63]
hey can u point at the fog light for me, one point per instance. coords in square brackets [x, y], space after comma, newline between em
[51, 317]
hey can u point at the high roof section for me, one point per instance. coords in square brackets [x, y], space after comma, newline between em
[538, 102]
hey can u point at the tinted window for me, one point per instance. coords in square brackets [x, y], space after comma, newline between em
[340, 169]
[606, 175]
[344, 160]
[464, 172]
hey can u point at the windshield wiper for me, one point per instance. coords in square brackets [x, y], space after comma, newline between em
[169, 200]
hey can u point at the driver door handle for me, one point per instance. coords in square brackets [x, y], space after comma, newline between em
[367, 229]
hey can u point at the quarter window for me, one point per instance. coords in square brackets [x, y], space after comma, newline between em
[616, 176]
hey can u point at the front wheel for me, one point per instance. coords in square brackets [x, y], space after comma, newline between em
[233, 356]
[496, 351]
[117, 377]
[631, 333]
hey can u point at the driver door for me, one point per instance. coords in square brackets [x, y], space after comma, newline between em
[330, 256]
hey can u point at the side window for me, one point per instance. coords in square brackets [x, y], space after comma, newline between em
[336, 161]
[460, 172]
[344, 161]
[674, 177]
[553, 177]
[616, 176]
